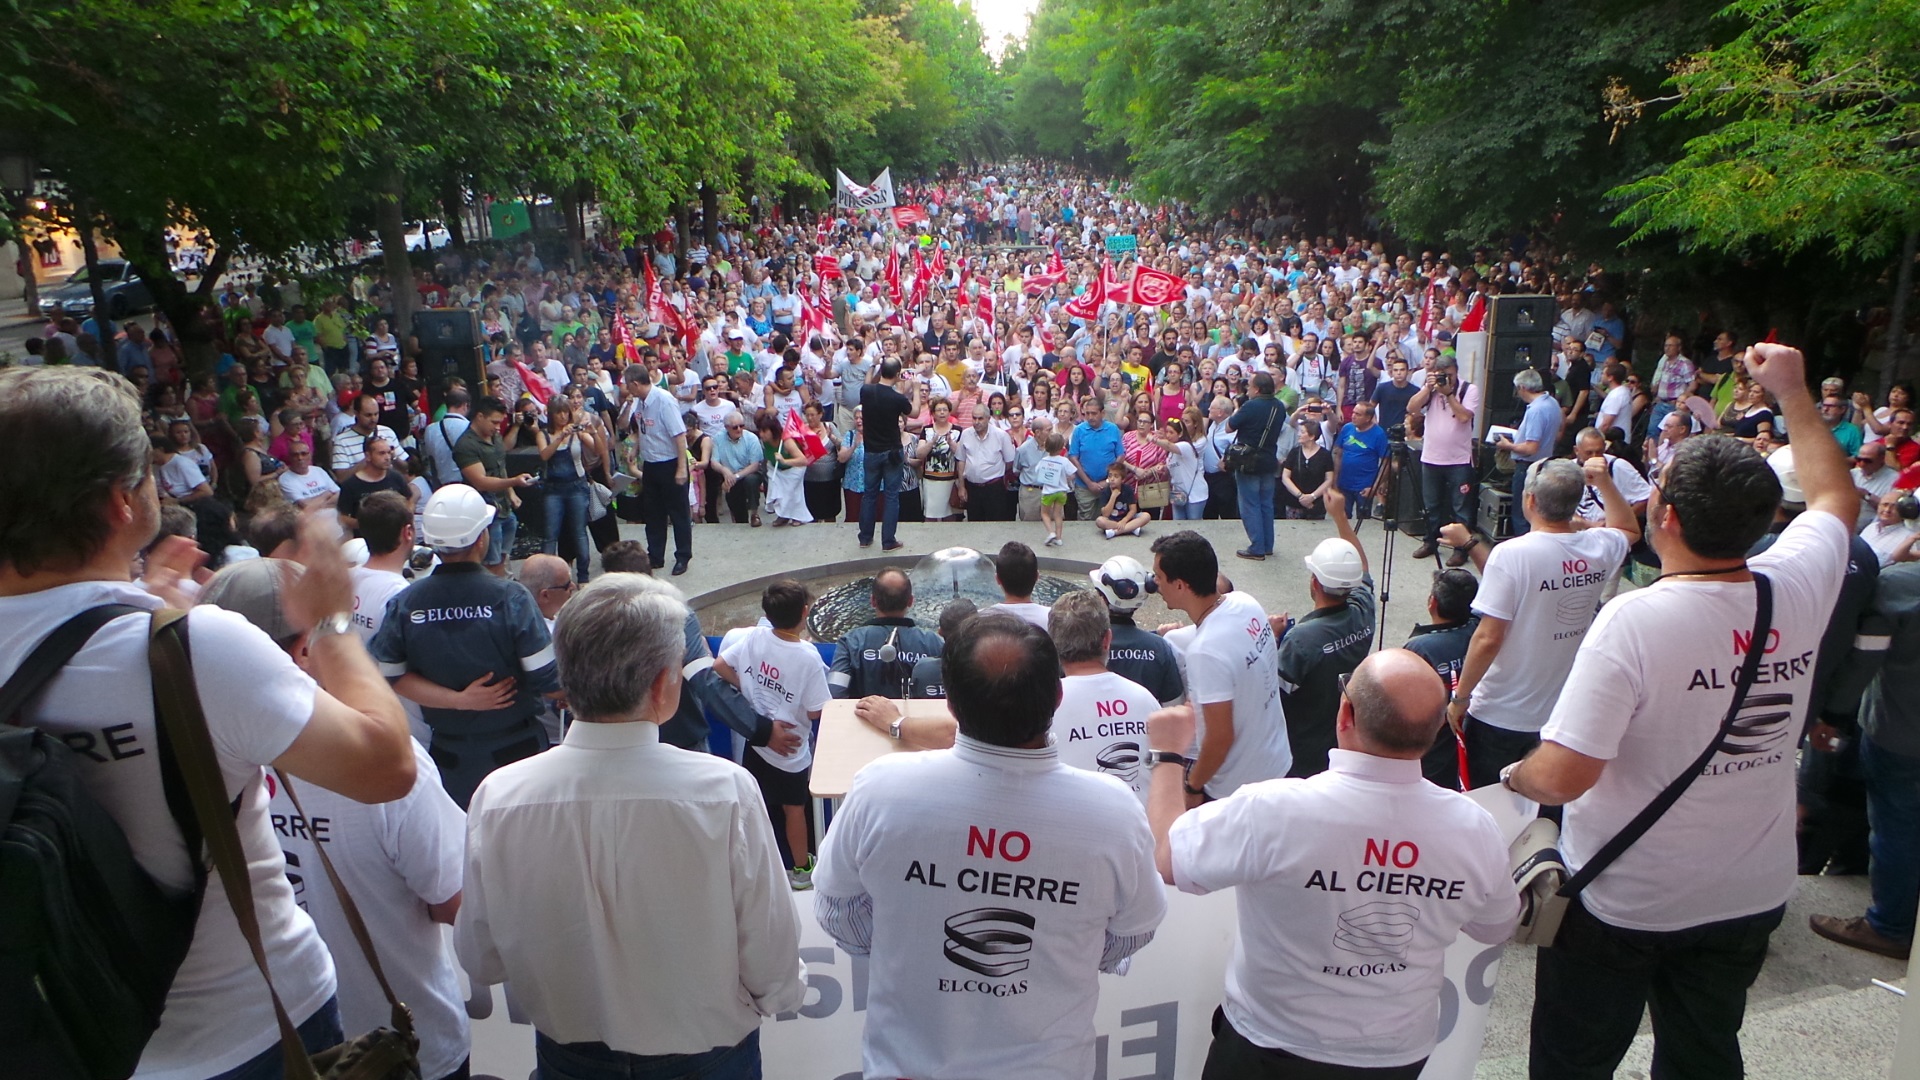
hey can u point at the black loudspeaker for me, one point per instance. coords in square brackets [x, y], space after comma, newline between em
[450, 345]
[1521, 315]
[1508, 353]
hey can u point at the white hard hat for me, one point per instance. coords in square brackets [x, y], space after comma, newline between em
[455, 516]
[1791, 495]
[356, 552]
[1335, 564]
[1123, 582]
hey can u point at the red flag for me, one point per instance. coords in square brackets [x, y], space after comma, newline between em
[920, 282]
[1113, 288]
[795, 428]
[892, 274]
[905, 217]
[1087, 305]
[1156, 288]
[983, 307]
[623, 337]
[939, 261]
[1046, 335]
[656, 300]
[1055, 264]
[822, 229]
[1476, 318]
[813, 311]
[826, 266]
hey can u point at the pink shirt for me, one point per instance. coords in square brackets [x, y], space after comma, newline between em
[1448, 440]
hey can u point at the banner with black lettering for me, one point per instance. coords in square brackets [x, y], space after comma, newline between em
[851, 196]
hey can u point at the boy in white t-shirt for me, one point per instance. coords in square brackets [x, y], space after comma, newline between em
[782, 676]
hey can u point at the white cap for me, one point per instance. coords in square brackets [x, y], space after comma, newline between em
[1120, 575]
[1781, 461]
[455, 517]
[1335, 564]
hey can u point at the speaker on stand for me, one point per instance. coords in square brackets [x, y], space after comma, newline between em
[450, 346]
[1520, 336]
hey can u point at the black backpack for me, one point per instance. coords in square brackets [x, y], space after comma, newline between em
[91, 943]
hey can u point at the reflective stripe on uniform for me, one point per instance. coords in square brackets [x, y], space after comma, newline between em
[695, 667]
[841, 679]
[392, 671]
[537, 660]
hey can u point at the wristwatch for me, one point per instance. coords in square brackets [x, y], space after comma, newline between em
[893, 729]
[340, 622]
[1168, 757]
[1506, 776]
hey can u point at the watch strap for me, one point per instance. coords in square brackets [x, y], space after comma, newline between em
[1163, 757]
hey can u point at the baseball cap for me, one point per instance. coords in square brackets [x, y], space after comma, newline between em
[252, 590]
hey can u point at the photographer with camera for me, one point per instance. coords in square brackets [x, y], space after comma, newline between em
[567, 443]
[1447, 407]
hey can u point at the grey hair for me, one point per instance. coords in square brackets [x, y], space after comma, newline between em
[1556, 487]
[1529, 380]
[1589, 434]
[735, 415]
[613, 639]
[1443, 362]
[88, 420]
[1078, 624]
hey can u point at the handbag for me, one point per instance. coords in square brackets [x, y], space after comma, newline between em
[1155, 495]
[1241, 456]
[1539, 871]
[388, 1053]
[599, 499]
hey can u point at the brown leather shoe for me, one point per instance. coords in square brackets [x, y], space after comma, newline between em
[1458, 559]
[1860, 934]
[1426, 550]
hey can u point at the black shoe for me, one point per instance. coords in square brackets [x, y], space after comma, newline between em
[895, 546]
[1248, 553]
[680, 566]
[1427, 550]
[868, 542]
[656, 563]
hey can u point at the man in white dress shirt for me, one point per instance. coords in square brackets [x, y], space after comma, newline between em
[620, 964]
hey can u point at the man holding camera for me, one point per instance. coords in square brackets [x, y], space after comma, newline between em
[1447, 407]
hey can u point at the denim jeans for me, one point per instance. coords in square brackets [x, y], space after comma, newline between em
[501, 534]
[567, 514]
[1893, 809]
[1444, 489]
[318, 1032]
[595, 1061]
[885, 473]
[1593, 984]
[1256, 510]
[1191, 511]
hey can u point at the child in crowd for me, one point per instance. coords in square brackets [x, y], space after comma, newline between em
[782, 676]
[1055, 473]
[1122, 513]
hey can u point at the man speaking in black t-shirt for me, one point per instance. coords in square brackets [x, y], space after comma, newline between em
[884, 408]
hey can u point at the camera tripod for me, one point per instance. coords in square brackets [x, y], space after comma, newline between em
[1393, 472]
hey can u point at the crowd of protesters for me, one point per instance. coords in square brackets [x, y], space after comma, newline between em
[1275, 380]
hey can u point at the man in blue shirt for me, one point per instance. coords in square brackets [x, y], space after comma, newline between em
[653, 418]
[1094, 446]
[1357, 457]
[1539, 430]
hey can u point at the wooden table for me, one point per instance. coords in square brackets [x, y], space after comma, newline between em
[846, 745]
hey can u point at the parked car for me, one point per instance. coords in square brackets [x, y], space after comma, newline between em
[125, 292]
[422, 235]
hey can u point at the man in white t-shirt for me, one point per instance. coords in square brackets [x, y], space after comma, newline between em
[399, 861]
[1018, 571]
[1101, 723]
[1350, 886]
[305, 486]
[1633, 487]
[781, 675]
[1680, 922]
[1538, 594]
[1231, 668]
[336, 724]
[990, 883]
[386, 524]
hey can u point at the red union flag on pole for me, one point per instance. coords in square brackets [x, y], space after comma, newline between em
[983, 307]
[893, 274]
[1087, 304]
[1113, 288]
[906, 217]
[826, 266]
[1156, 288]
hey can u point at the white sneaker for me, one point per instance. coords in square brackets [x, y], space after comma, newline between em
[1111, 534]
[801, 879]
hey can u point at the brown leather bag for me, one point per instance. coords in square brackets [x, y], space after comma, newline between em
[382, 1054]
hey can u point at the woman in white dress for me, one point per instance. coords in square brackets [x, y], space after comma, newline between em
[786, 473]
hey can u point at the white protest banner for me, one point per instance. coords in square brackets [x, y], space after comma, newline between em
[851, 196]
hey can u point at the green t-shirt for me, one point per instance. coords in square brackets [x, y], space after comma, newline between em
[561, 330]
[739, 362]
[305, 336]
[491, 454]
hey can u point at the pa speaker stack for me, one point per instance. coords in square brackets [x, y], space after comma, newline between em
[450, 346]
[1520, 337]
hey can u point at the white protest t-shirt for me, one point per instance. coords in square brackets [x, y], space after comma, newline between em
[372, 591]
[995, 876]
[257, 702]
[1054, 474]
[1548, 586]
[713, 418]
[783, 681]
[179, 476]
[1647, 692]
[299, 489]
[1101, 726]
[1350, 886]
[394, 858]
[1633, 487]
[1230, 657]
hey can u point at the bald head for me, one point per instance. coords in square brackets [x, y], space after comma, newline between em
[1394, 705]
[546, 577]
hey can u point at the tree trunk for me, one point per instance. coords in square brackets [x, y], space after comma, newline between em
[102, 317]
[453, 207]
[682, 232]
[196, 336]
[390, 224]
[710, 215]
[568, 201]
[1892, 369]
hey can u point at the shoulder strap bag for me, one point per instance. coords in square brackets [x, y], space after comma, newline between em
[383, 1054]
[1539, 871]
[1239, 453]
